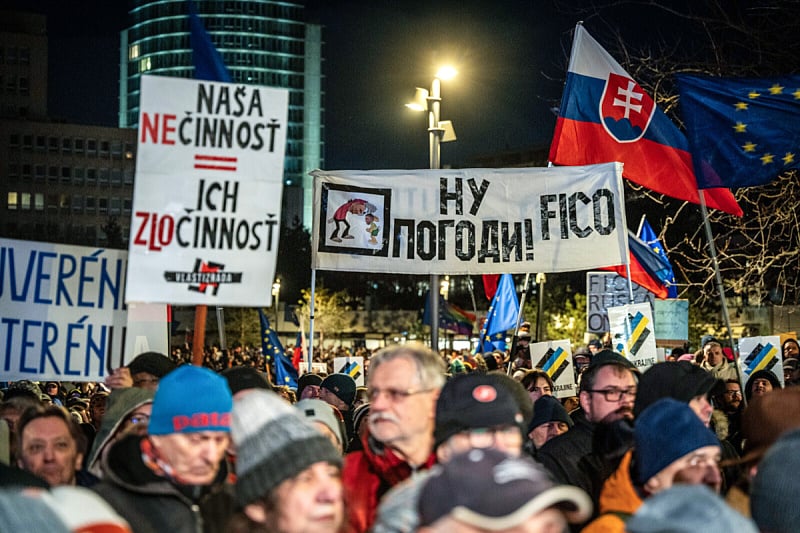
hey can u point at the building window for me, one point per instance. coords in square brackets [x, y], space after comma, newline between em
[66, 145]
[53, 144]
[66, 174]
[25, 201]
[40, 171]
[116, 205]
[78, 175]
[79, 144]
[91, 176]
[116, 177]
[13, 171]
[12, 201]
[41, 144]
[24, 56]
[38, 201]
[127, 204]
[133, 51]
[52, 174]
[24, 86]
[104, 148]
[13, 140]
[77, 203]
[26, 171]
[91, 147]
[27, 142]
[102, 176]
[102, 204]
[127, 176]
[144, 64]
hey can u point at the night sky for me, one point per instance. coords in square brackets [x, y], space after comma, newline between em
[376, 52]
[511, 57]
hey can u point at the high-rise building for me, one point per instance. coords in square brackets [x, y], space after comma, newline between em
[59, 182]
[262, 42]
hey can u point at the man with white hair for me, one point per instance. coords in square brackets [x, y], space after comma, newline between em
[403, 385]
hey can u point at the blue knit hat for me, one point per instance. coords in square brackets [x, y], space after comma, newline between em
[664, 432]
[191, 399]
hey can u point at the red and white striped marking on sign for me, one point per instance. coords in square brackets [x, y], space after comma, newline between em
[215, 162]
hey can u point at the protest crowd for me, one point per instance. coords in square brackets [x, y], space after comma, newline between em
[434, 442]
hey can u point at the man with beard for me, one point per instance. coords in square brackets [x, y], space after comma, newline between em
[729, 402]
[403, 384]
[671, 446]
[607, 393]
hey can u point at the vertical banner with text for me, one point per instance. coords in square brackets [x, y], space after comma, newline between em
[207, 196]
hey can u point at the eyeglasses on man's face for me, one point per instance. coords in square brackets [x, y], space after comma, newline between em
[614, 394]
[394, 395]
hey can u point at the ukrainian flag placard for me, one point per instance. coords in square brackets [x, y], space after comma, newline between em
[632, 330]
[760, 353]
[555, 358]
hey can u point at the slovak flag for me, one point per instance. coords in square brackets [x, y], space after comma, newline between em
[606, 116]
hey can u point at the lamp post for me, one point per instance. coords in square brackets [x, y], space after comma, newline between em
[276, 294]
[439, 131]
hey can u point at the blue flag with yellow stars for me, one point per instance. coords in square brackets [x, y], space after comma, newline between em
[741, 132]
[283, 373]
[501, 317]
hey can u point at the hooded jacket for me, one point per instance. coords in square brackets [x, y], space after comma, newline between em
[121, 403]
[154, 504]
[367, 475]
[618, 500]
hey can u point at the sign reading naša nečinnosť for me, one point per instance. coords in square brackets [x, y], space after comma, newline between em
[207, 198]
[470, 221]
[62, 315]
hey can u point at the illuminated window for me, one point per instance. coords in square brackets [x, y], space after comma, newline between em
[38, 201]
[12, 202]
[133, 51]
[25, 200]
[144, 64]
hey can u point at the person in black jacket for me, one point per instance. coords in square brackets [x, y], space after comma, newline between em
[173, 479]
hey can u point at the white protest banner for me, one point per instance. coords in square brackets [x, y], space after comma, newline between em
[609, 289]
[671, 321]
[555, 358]
[352, 366]
[469, 221]
[632, 334]
[62, 315]
[760, 353]
[207, 196]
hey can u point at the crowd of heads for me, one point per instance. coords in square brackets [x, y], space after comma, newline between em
[498, 451]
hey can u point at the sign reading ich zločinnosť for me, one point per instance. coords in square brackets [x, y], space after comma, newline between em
[207, 196]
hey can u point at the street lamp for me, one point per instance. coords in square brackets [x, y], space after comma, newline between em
[439, 131]
[276, 294]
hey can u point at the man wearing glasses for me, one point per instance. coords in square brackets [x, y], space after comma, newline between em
[607, 393]
[402, 385]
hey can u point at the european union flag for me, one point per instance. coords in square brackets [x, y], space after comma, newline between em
[667, 277]
[283, 373]
[208, 63]
[501, 317]
[742, 132]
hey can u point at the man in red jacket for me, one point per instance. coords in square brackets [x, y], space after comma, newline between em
[403, 385]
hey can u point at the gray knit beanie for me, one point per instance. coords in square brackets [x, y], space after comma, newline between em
[273, 443]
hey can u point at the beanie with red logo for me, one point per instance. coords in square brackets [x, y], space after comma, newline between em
[191, 399]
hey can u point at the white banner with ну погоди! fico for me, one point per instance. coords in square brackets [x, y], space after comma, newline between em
[207, 195]
[469, 221]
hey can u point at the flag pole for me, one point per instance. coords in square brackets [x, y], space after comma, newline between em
[641, 225]
[519, 320]
[311, 319]
[720, 288]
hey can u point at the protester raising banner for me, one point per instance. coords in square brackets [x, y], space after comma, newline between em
[606, 116]
[207, 200]
[469, 221]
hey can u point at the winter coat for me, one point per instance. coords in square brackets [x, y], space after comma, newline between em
[153, 504]
[367, 475]
[561, 455]
[618, 500]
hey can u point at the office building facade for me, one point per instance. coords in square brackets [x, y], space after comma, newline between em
[262, 42]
